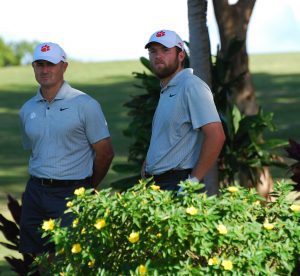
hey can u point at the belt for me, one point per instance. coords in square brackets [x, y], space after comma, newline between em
[59, 183]
[172, 172]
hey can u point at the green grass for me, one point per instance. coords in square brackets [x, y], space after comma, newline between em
[276, 79]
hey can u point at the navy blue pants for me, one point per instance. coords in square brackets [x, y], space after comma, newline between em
[170, 179]
[39, 203]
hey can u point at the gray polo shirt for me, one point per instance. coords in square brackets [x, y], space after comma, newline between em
[59, 134]
[185, 105]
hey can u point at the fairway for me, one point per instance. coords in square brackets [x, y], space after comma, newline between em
[276, 79]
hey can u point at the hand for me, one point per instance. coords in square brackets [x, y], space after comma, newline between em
[193, 179]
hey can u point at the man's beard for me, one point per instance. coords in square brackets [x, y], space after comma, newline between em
[166, 71]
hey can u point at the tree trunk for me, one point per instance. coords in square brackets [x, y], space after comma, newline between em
[199, 40]
[233, 21]
[201, 63]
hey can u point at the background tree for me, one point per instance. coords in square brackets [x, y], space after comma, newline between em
[200, 61]
[16, 53]
[7, 55]
[231, 84]
[233, 21]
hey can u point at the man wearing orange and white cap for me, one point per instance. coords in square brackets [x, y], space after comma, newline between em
[187, 134]
[67, 135]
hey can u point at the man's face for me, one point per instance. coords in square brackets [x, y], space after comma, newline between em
[49, 74]
[164, 61]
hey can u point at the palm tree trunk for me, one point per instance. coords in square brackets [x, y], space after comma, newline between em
[201, 63]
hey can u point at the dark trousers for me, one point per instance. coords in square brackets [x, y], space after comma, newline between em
[43, 202]
[169, 180]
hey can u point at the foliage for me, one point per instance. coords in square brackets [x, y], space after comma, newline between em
[23, 51]
[7, 56]
[15, 53]
[141, 109]
[11, 232]
[294, 153]
[149, 231]
[245, 151]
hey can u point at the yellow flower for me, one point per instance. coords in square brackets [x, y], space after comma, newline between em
[79, 191]
[91, 263]
[222, 229]
[158, 235]
[192, 210]
[142, 269]
[75, 222]
[69, 204]
[61, 274]
[257, 202]
[48, 225]
[232, 189]
[83, 231]
[268, 226]
[295, 207]
[227, 264]
[213, 261]
[134, 237]
[155, 187]
[76, 248]
[100, 223]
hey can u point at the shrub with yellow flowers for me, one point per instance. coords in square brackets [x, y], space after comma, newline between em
[147, 231]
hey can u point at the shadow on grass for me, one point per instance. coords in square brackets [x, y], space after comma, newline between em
[280, 94]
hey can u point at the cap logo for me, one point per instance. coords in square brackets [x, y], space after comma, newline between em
[45, 48]
[180, 44]
[160, 34]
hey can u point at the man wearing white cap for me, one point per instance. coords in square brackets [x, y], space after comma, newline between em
[70, 145]
[187, 134]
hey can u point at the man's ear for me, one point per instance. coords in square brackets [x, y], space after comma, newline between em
[65, 65]
[181, 56]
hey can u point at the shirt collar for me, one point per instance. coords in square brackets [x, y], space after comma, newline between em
[178, 77]
[61, 94]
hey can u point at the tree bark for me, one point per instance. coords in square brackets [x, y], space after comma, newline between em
[233, 21]
[199, 40]
[200, 61]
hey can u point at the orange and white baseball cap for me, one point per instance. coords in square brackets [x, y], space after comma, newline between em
[167, 38]
[49, 51]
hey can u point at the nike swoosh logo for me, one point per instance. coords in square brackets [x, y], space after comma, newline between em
[172, 95]
[62, 109]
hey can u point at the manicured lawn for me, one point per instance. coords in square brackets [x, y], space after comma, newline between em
[276, 78]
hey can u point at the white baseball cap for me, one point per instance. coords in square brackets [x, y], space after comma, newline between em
[49, 51]
[167, 38]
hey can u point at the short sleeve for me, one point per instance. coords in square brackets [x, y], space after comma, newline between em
[95, 124]
[201, 104]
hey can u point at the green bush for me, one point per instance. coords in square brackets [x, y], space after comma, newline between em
[148, 231]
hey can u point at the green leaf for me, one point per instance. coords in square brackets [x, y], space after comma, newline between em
[236, 117]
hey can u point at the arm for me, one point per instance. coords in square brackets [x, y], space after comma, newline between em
[213, 141]
[104, 154]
